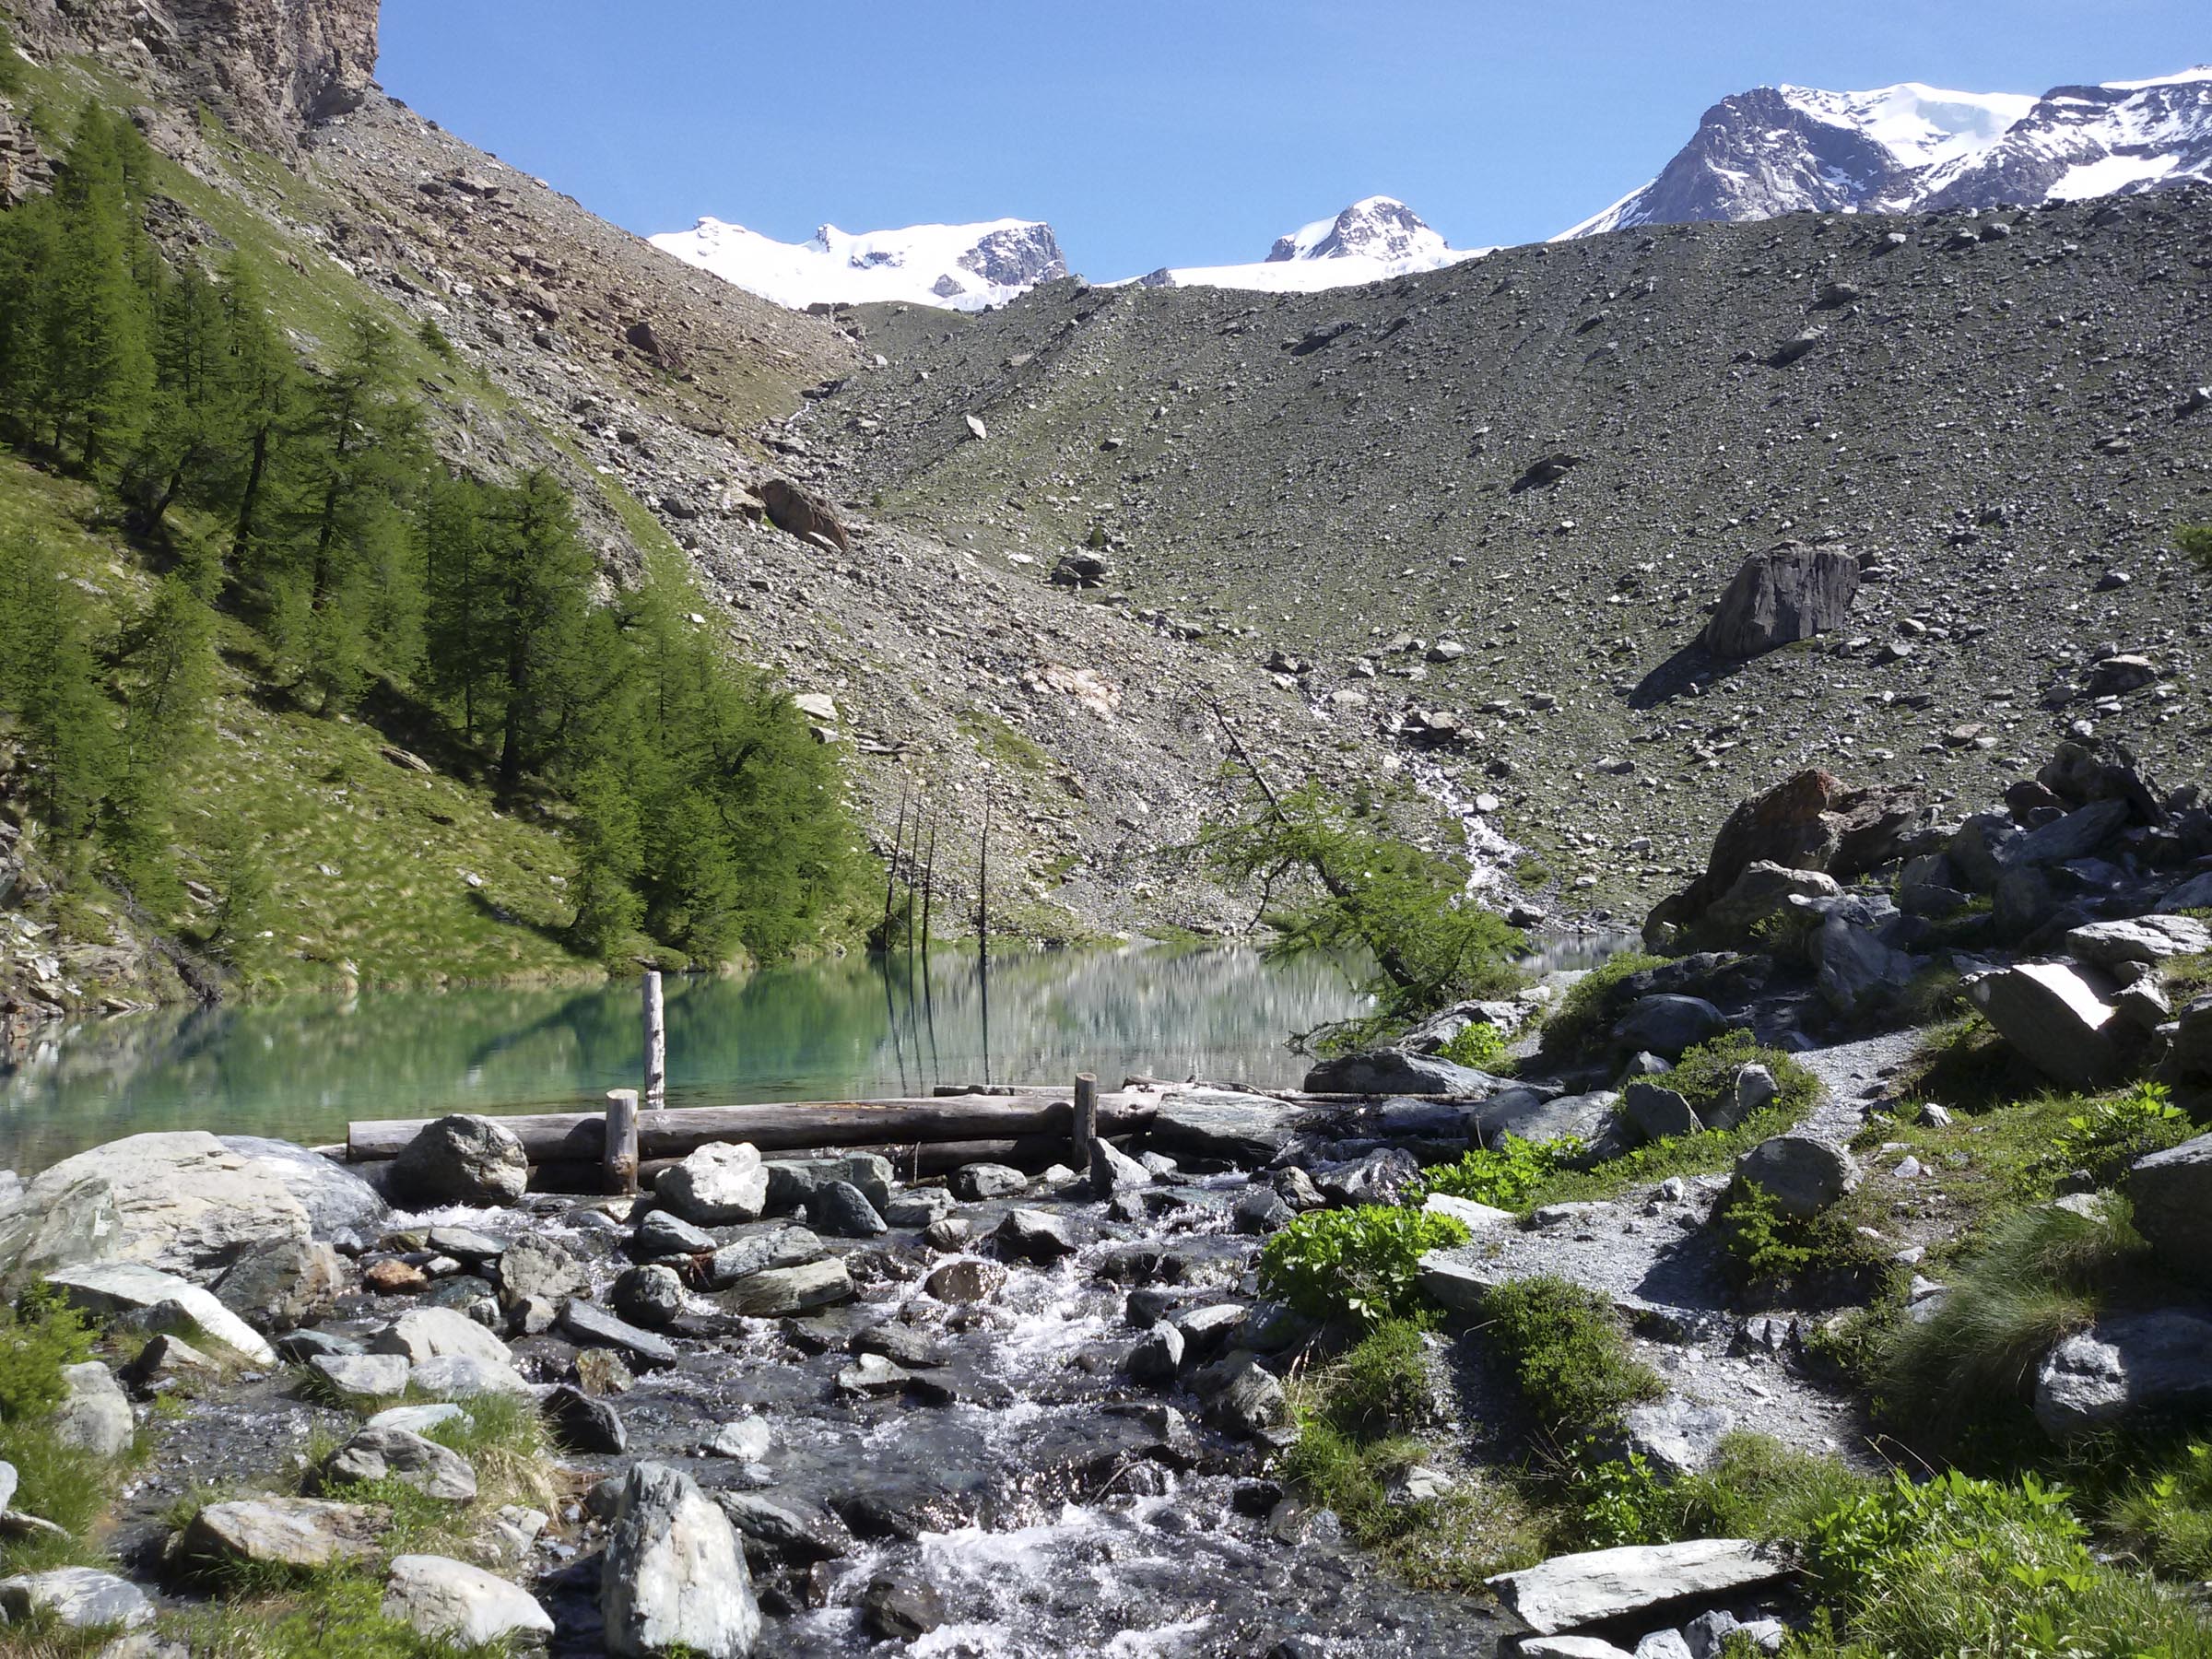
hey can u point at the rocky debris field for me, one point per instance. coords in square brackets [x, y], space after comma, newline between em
[1509, 494]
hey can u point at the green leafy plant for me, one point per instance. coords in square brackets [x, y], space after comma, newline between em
[1763, 1244]
[41, 1336]
[1363, 1264]
[2117, 1130]
[1506, 1175]
[1477, 1045]
[1570, 1354]
[2196, 540]
[1622, 1500]
[1959, 1566]
[2166, 1517]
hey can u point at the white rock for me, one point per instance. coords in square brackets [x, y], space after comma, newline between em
[423, 1334]
[111, 1288]
[79, 1598]
[95, 1414]
[356, 1377]
[1569, 1592]
[719, 1185]
[465, 1605]
[674, 1574]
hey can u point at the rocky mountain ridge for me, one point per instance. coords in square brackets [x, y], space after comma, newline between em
[1912, 147]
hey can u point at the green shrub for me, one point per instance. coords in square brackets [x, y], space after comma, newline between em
[1343, 887]
[434, 336]
[2040, 1274]
[1705, 1075]
[2117, 1130]
[1362, 1263]
[1624, 1501]
[1958, 1567]
[1507, 1175]
[2166, 1518]
[1477, 1045]
[2196, 540]
[1356, 1417]
[1763, 1244]
[42, 1334]
[1577, 1021]
[1570, 1354]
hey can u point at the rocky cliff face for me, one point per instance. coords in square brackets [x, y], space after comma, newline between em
[271, 68]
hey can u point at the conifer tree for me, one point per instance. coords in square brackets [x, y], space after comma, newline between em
[541, 581]
[356, 566]
[264, 394]
[99, 355]
[167, 675]
[50, 683]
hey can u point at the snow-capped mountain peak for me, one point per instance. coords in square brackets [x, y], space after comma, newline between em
[961, 267]
[1375, 239]
[1378, 227]
[1918, 124]
[1908, 147]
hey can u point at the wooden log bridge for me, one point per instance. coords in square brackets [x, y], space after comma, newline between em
[580, 1137]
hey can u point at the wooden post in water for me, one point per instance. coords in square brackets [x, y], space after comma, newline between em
[618, 1157]
[1087, 1121]
[656, 1043]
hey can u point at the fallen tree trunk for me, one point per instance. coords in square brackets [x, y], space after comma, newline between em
[914, 1160]
[781, 1126]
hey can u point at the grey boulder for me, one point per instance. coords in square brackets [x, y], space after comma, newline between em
[1658, 1112]
[718, 1185]
[78, 1598]
[461, 1159]
[2127, 1363]
[95, 1414]
[2055, 1018]
[674, 1575]
[2139, 939]
[1667, 1025]
[396, 1453]
[452, 1601]
[1568, 1593]
[1802, 1174]
[1788, 593]
[1395, 1072]
[2171, 1192]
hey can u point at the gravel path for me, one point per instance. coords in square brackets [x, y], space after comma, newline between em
[1653, 1254]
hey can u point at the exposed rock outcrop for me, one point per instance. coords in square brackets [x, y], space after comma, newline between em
[271, 68]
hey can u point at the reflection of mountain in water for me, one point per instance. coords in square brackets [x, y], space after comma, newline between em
[300, 1067]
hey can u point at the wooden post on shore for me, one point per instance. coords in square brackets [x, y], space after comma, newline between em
[619, 1158]
[1086, 1120]
[656, 1043]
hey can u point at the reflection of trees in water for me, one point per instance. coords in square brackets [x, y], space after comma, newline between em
[300, 1066]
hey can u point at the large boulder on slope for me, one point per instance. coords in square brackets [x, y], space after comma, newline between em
[1788, 593]
[2171, 1194]
[2055, 1018]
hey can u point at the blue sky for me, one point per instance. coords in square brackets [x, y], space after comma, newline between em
[1180, 132]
